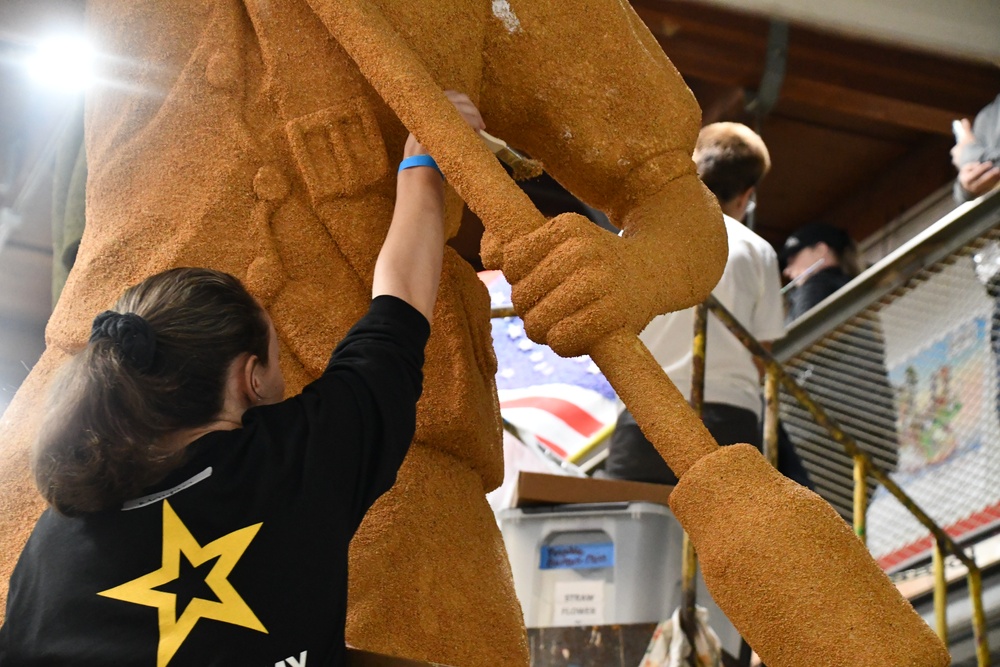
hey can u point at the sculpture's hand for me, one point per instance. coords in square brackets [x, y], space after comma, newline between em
[565, 283]
[573, 283]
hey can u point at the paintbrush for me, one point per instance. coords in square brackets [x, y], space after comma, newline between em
[522, 165]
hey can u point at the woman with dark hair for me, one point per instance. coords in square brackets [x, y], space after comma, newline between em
[153, 378]
[196, 517]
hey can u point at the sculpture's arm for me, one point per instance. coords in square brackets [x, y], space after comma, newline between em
[583, 86]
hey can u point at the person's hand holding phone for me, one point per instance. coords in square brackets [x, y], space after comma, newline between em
[976, 178]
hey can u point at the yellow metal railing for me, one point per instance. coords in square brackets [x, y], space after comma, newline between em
[776, 377]
[863, 467]
[689, 562]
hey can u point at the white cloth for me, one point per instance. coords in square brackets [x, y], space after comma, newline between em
[669, 647]
[750, 288]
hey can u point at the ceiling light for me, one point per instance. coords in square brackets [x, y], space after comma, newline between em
[62, 63]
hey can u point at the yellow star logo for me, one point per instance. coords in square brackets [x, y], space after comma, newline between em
[230, 607]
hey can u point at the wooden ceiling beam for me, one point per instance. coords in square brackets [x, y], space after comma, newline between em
[897, 189]
[963, 29]
[682, 19]
[895, 72]
[877, 66]
[854, 78]
[852, 102]
[718, 102]
[720, 63]
[732, 68]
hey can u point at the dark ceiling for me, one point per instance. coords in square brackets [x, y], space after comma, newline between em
[860, 131]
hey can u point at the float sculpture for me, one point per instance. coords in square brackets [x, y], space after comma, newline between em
[259, 137]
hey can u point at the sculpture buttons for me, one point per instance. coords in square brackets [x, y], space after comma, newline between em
[223, 71]
[270, 184]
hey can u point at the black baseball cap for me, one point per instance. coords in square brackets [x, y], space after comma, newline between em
[810, 235]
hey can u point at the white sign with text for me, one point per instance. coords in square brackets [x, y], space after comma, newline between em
[578, 603]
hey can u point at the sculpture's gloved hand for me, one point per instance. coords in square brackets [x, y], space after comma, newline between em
[573, 282]
[565, 283]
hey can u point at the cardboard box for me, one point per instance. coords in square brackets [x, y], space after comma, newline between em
[539, 489]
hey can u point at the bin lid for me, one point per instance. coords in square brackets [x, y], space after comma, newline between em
[582, 509]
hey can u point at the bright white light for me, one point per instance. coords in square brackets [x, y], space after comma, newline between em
[62, 63]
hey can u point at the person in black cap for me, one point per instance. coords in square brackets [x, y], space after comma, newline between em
[818, 259]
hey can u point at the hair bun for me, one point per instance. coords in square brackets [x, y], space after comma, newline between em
[130, 333]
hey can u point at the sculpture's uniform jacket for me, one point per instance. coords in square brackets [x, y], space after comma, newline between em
[238, 135]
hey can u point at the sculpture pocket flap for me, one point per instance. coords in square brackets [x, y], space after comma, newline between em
[339, 150]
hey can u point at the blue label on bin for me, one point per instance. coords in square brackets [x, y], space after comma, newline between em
[578, 556]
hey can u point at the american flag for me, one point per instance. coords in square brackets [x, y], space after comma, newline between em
[564, 404]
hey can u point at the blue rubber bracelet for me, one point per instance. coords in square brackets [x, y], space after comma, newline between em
[420, 161]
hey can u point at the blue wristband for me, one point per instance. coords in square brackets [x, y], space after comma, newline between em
[419, 161]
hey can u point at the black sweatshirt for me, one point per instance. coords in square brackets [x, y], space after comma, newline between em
[239, 557]
[814, 290]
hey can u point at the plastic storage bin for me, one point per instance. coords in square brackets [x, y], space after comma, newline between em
[600, 564]
[616, 560]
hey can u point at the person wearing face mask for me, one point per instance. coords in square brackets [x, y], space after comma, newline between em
[818, 259]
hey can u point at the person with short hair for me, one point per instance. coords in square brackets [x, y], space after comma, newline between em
[818, 259]
[196, 517]
[731, 160]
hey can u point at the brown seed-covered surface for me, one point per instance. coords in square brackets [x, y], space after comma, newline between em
[790, 574]
[20, 503]
[241, 136]
[466, 613]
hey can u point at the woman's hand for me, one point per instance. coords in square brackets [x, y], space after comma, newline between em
[409, 264]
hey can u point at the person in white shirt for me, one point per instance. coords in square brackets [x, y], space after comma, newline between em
[731, 160]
